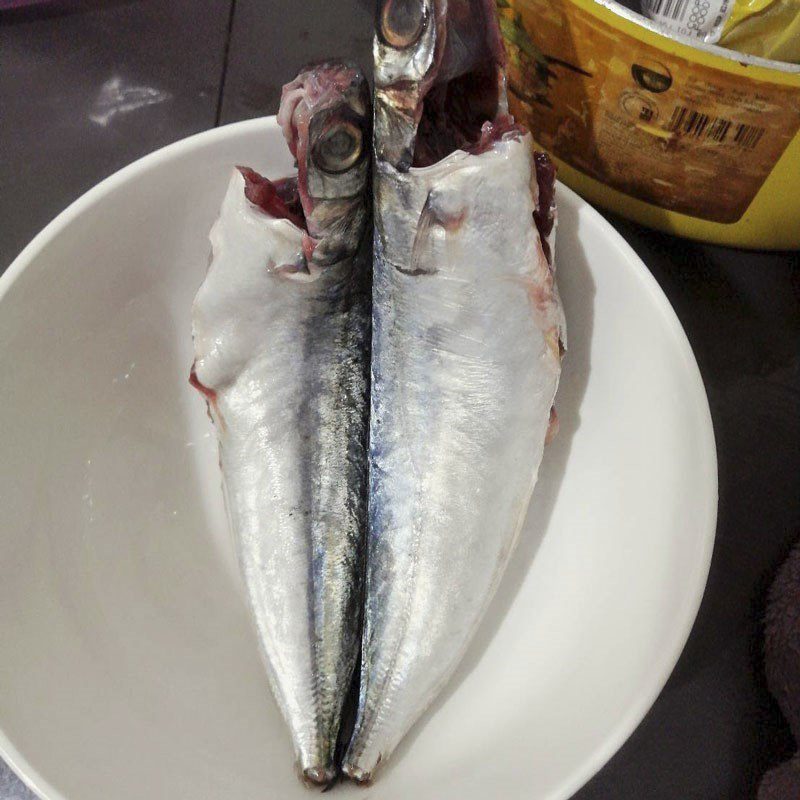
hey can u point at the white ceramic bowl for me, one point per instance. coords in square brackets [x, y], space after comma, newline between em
[128, 668]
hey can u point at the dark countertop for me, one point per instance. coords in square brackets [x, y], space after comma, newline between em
[175, 67]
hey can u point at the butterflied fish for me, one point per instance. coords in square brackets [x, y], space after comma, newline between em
[281, 333]
[468, 335]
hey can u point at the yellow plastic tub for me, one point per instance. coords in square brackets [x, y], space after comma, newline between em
[682, 136]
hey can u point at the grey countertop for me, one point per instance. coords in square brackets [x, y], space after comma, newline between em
[175, 67]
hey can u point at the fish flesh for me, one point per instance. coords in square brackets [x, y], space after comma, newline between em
[281, 329]
[468, 335]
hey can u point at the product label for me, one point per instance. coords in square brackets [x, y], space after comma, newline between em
[700, 19]
[682, 136]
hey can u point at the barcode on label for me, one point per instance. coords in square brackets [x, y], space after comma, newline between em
[703, 19]
[689, 122]
[669, 9]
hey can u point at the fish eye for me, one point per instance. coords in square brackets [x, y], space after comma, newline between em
[338, 148]
[402, 22]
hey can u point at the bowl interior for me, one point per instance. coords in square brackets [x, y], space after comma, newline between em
[128, 666]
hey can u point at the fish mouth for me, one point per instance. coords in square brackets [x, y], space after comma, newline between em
[357, 775]
[453, 116]
[465, 86]
[458, 100]
[318, 777]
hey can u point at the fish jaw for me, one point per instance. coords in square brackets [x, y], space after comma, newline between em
[464, 376]
[283, 363]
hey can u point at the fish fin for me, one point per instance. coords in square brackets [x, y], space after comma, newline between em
[427, 219]
[301, 270]
[449, 220]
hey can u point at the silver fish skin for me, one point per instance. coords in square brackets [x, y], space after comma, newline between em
[468, 333]
[281, 333]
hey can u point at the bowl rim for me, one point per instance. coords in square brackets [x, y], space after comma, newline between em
[706, 444]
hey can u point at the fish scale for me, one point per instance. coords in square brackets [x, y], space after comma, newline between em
[464, 373]
[282, 335]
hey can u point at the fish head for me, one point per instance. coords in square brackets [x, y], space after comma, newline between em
[407, 32]
[439, 76]
[325, 115]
